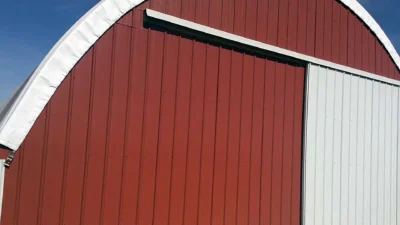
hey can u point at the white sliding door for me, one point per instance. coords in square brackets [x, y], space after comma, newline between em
[351, 150]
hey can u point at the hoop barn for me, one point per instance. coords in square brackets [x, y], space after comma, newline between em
[208, 112]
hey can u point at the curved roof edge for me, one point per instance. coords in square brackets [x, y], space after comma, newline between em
[19, 115]
[361, 12]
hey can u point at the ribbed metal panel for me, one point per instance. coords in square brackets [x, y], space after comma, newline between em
[351, 144]
[325, 29]
[154, 128]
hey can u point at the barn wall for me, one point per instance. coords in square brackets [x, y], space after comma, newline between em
[351, 159]
[152, 128]
[322, 28]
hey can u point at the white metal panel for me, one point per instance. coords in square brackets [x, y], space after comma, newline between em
[375, 146]
[381, 153]
[337, 146]
[328, 162]
[360, 152]
[344, 170]
[368, 152]
[351, 159]
[311, 159]
[2, 175]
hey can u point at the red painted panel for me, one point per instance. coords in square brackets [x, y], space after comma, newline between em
[208, 142]
[215, 9]
[292, 27]
[77, 141]
[262, 16]
[251, 19]
[391, 68]
[378, 58]
[322, 28]
[166, 132]
[144, 5]
[224, 17]
[297, 143]
[288, 128]
[385, 63]
[4, 152]
[268, 142]
[97, 136]
[138, 19]
[336, 28]
[12, 184]
[276, 190]
[283, 23]
[150, 128]
[256, 142]
[344, 36]
[245, 140]
[158, 5]
[28, 211]
[311, 21]
[194, 134]
[328, 23]
[235, 104]
[159, 129]
[351, 41]
[319, 28]
[127, 19]
[301, 26]
[180, 135]
[239, 26]
[357, 44]
[365, 50]
[134, 122]
[57, 132]
[202, 12]
[372, 52]
[272, 26]
[173, 7]
[188, 8]
[116, 127]
[221, 137]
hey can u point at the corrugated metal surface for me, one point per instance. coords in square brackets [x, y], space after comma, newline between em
[351, 145]
[152, 128]
[2, 173]
[322, 28]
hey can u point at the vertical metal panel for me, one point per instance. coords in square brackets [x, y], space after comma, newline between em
[2, 174]
[153, 128]
[323, 28]
[137, 82]
[328, 24]
[336, 31]
[319, 28]
[301, 27]
[283, 23]
[351, 160]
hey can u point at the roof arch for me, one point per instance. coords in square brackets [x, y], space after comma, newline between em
[21, 112]
[19, 115]
[362, 13]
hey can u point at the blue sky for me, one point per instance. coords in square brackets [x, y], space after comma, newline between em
[27, 33]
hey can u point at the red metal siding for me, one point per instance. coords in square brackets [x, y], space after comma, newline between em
[152, 128]
[315, 27]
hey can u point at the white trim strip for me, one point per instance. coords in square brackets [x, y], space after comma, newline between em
[18, 116]
[256, 44]
[359, 10]
[2, 180]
